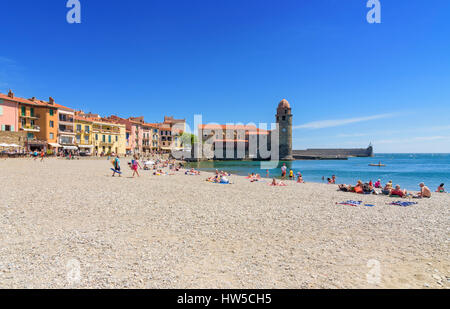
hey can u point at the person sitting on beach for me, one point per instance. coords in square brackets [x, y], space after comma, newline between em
[378, 184]
[441, 189]
[387, 188]
[329, 181]
[345, 188]
[299, 178]
[424, 191]
[368, 188]
[359, 187]
[398, 192]
[274, 183]
[333, 179]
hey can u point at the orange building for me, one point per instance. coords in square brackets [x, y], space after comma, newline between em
[39, 120]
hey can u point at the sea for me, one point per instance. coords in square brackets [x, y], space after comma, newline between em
[406, 170]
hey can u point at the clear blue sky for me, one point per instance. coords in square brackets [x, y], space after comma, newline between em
[349, 82]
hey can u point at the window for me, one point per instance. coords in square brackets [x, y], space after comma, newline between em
[78, 139]
[109, 138]
[104, 138]
[284, 118]
[24, 111]
[51, 135]
[86, 129]
[96, 137]
[78, 127]
[52, 124]
[52, 112]
[32, 112]
[24, 122]
[86, 138]
[117, 138]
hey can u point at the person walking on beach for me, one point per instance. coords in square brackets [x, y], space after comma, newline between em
[283, 171]
[134, 166]
[291, 175]
[116, 164]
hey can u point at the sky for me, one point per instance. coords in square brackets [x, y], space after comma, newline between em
[349, 83]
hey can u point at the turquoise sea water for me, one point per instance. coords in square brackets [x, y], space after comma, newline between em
[407, 170]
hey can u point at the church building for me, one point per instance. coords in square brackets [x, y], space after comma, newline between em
[247, 142]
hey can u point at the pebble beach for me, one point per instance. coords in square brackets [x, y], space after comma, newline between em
[69, 224]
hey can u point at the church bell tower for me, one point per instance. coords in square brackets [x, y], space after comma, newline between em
[284, 124]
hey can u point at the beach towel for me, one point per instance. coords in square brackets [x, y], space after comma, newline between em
[355, 203]
[403, 204]
[116, 171]
[350, 203]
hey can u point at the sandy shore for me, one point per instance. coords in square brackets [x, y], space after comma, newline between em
[69, 224]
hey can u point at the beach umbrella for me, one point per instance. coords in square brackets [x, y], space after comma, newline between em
[149, 163]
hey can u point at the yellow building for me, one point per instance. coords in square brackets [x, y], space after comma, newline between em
[109, 138]
[83, 130]
[100, 136]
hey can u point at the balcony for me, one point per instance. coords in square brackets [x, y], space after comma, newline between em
[101, 144]
[63, 119]
[30, 128]
[65, 131]
[29, 116]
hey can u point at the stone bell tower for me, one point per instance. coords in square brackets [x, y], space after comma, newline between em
[284, 124]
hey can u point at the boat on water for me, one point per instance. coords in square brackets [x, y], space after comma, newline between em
[378, 165]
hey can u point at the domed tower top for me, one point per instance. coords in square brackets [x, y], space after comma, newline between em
[283, 107]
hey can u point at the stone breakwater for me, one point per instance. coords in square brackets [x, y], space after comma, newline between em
[69, 224]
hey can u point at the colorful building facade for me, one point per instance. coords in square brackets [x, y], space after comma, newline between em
[9, 113]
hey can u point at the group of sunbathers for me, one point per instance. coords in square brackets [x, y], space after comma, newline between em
[192, 172]
[218, 178]
[388, 189]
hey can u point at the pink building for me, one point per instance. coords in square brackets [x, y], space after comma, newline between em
[9, 113]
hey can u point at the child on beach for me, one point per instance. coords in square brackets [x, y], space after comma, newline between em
[291, 175]
[299, 178]
[134, 166]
